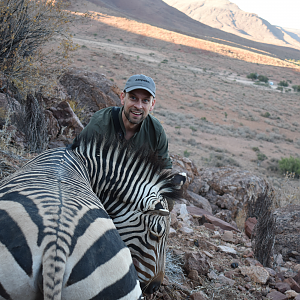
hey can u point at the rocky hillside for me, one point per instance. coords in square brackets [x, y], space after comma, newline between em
[160, 14]
[227, 16]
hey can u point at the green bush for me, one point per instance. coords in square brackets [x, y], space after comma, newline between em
[252, 76]
[291, 165]
[283, 83]
[261, 156]
[263, 78]
[266, 114]
[296, 88]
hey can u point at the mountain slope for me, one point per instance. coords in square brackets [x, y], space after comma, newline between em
[227, 16]
[160, 14]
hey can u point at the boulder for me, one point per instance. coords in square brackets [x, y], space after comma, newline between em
[256, 273]
[249, 226]
[287, 233]
[91, 91]
[217, 222]
[196, 261]
[275, 295]
[8, 107]
[228, 188]
[53, 125]
[183, 164]
[69, 123]
[198, 201]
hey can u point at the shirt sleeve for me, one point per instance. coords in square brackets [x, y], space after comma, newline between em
[163, 150]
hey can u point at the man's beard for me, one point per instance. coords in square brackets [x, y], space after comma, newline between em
[127, 115]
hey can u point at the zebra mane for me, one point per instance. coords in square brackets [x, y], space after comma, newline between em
[144, 155]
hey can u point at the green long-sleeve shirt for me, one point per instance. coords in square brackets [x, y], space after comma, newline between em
[151, 132]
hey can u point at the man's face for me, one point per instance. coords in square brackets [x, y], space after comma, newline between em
[137, 105]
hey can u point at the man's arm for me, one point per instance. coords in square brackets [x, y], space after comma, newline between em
[163, 150]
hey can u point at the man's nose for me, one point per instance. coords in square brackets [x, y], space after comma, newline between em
[138, 104]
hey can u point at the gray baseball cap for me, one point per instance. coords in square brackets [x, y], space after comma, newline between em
[140, 81]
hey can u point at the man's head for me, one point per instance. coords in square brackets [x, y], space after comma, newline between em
[140, 81]
[138, 98]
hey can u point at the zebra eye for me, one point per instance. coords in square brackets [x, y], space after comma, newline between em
[154, 237]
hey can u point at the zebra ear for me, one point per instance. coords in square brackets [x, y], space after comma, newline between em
[179, 179]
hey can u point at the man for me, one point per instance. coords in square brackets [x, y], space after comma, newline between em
[133, 121]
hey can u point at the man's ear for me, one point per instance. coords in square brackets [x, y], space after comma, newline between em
[122, 97]
[152, 104]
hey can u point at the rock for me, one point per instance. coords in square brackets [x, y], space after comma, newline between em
[278, 259]
[274, 295]
[196, 261]
[209, 226]
[198, 201]
[226, 249]
[217, 222]
[282, 286]
[212, 275]
[198, 296]
[8, 105]
[229, 188]
[228, 236]
[91, 91]
[256, 273]
[297, 297]
[53, 125]
[287, 230]
[193, 275]
[224, 280]
[293, 284]
[196, 211]
[249, 226]
[174, 221]
[67, 119]
[186, 230]
[271, 272]
[172, 232]
[291, 294]
[297, 277]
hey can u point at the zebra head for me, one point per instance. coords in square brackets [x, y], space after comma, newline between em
[135, 190]
[145, 231]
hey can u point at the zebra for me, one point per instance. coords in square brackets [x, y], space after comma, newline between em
[68, 214]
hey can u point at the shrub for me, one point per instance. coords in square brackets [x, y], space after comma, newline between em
[283, 83]
[186, 153]
[252, 76]
[28, 56]
[290, 165]
[296, 88]
[263, 78]
[261, 156]
[266, 115]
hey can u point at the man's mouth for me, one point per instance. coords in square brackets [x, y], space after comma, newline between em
[136, 113]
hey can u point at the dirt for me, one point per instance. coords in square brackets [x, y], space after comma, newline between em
[211, 112]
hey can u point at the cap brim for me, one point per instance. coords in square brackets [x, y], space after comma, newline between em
[139, 87]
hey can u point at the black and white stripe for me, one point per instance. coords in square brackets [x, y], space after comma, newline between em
[133, 190]
[56, 239]
[58, 221]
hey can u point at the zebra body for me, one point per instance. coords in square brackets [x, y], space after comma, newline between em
[56, 239]
[59, 216]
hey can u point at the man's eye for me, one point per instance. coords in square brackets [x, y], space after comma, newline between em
[146, 100]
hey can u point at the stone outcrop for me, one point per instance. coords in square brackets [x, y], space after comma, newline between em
[228, 189]
[287, 239]
[91, 91]
[68, 121]
[8, 107]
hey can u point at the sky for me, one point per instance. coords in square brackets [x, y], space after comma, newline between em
[284, 13]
